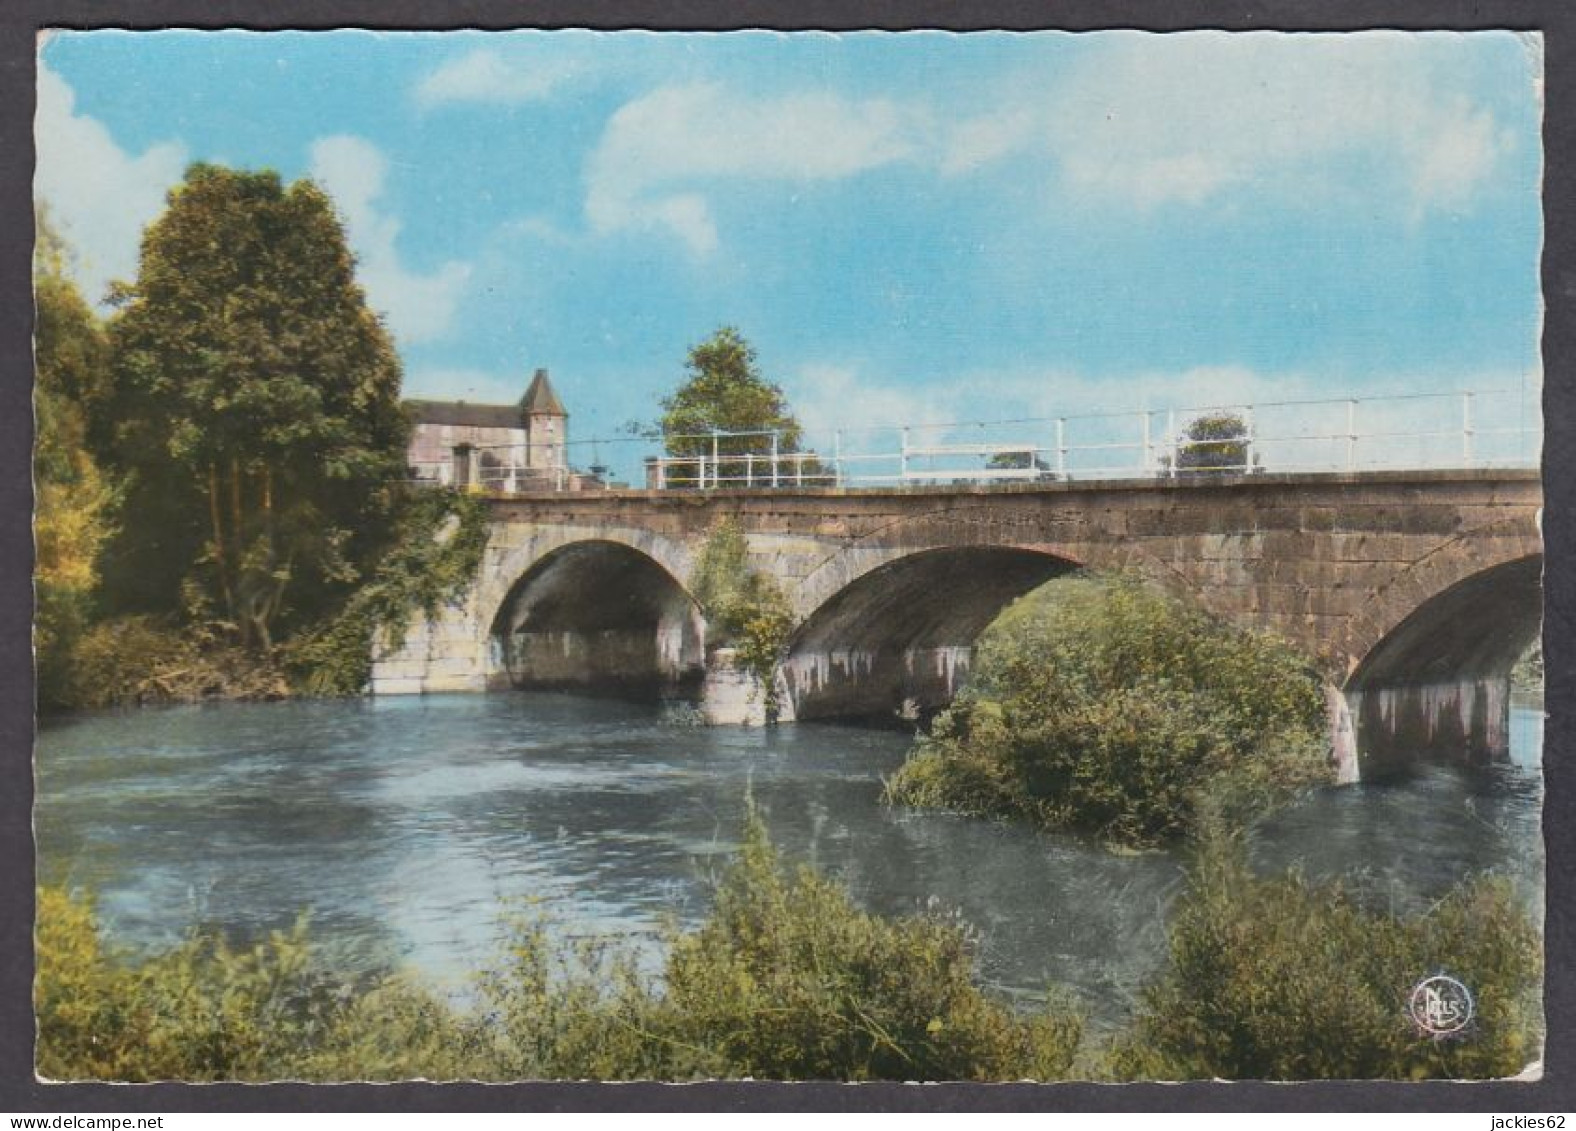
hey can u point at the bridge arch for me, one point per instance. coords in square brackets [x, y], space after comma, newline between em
[904, 631]
[596, 614]
[973, 527]
[1432, 654]
[890, 619]
[1470, 554]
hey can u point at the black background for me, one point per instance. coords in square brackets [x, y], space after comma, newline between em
[20, 21]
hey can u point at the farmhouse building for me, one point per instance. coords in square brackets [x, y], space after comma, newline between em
[509, 448]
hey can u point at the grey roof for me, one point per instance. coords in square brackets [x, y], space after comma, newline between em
[540, 399]
[468, 415]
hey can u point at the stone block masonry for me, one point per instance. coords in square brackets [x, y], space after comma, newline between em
[1399, 575]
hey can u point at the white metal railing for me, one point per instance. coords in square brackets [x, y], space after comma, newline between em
[1410, 431]
[1424, 431]
[502, 480]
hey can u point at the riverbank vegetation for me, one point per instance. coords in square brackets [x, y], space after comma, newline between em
[1101, 705]
[745, 609]
[1280, 978]
[786, 979]
[223, 508]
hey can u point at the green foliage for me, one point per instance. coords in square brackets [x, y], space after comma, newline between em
[74, 499]
[437, 550]
[1287, 980]
[725, 392]
[1527, 675]
[785, 979]
[1215, 444]
[126, 661]
[745, 609]
[1102, 705]
[254, 408]
[579, 1011]
[435, 554]
[788, 980]
[201, 1011]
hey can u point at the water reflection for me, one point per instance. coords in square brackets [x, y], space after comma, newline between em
[406, 825]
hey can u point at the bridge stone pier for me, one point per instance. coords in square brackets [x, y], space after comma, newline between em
[1413, 592]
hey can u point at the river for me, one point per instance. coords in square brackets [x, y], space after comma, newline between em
[408, 826]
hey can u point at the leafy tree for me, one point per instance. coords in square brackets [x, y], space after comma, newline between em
[1103, 705]
[255, 405]
[74, 498]
[1216, 443]
[725, 392]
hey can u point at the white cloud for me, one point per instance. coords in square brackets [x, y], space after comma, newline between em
[479, 386]
[419, 307]
[659, 149]
[976, 142]
[1143, 121]
[1299, 417]
[1151, 120]
[98, 195]
[829, 397]
[483, 76]
[1162, 119]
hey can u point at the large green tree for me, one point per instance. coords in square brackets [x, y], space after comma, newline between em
[73, 497]
[255, 407]
[724, 391]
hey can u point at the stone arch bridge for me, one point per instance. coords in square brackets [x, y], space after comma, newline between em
[1415, 592]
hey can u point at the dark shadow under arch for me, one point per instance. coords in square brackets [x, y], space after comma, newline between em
[1437, 686]
[904, 633]
[599, 617]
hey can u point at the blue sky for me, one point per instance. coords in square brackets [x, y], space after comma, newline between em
[911, 227]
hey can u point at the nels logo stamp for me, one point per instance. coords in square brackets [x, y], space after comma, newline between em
[1441, 1006]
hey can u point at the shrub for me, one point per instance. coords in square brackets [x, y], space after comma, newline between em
[1103, 705]
[1216, 444]
[787, 979]
[200, 1011]
[1283, 979]
[144, 659]
[744, 607]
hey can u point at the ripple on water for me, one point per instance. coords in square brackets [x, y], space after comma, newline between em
[409, 827]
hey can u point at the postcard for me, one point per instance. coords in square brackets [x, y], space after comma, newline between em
[848, 556]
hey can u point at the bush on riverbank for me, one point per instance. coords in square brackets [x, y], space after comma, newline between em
[1102, 705]
[200, 1011]
[788, 980]
[1267, 978]
[785, 979]
[143, 659]
[1287, 980]
[745, 608]
[137, 660]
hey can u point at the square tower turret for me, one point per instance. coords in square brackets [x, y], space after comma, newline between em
[546, 426]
